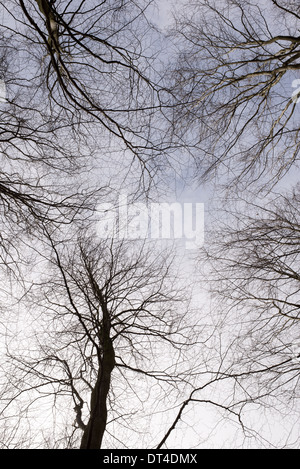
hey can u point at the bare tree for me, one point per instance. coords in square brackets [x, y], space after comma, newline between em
[104, 341]
[236, 87]
[251, 269]
[80, 98]
[80, 89]
[113, 335]
[95, 63]
[253, 256]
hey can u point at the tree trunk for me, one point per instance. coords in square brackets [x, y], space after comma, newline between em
[93, 433]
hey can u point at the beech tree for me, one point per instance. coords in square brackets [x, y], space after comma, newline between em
[236, 88]
[252, 269]
[101, 347]
[80, 100]
[95, 64]
[112, 340]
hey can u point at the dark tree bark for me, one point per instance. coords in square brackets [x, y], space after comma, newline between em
[96, 426]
